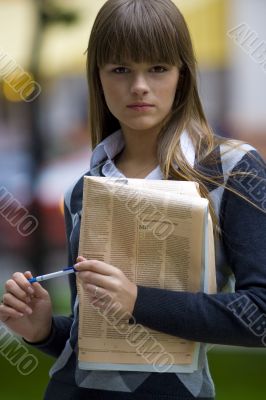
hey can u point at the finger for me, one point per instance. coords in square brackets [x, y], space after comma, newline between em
[28, 274]
[7, 312]
[96, 266]
[102, 303]
[94, 291]
[80, 259]
[12, 287]
[95, 279]
[108, 308]
[38, 290]
[23, 282]
[96, 303]
[11, 301]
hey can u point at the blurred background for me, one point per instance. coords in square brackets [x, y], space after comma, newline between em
[45, 141]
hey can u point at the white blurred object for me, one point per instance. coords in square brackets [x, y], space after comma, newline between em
[56, 178]
[247, 83]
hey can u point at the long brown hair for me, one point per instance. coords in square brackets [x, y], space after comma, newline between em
[152, 31]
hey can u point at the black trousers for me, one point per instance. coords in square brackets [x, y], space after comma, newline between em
[57, 390]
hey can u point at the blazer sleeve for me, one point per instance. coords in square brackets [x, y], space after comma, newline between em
[237, 318]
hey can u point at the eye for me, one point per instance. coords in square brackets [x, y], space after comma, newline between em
[120, 70]
[158, 69]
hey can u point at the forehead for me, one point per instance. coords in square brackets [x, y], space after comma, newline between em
[120, 47]
[127, 56]
[143, 61]
[146, 31]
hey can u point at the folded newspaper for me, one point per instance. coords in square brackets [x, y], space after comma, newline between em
[160, 234]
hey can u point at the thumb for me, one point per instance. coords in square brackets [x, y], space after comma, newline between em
[39, 291]
[80, 259]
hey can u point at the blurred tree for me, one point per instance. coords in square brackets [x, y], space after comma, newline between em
[47, 13]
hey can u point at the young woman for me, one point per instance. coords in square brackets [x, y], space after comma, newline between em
[147, 122]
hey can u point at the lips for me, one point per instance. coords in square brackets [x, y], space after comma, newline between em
[140, 105]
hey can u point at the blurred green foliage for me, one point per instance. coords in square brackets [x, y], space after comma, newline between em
[238, 374]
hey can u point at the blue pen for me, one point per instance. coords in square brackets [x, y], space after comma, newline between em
[65, 271]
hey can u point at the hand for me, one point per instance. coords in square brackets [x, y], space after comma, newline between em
[110, 282]
[26, 308]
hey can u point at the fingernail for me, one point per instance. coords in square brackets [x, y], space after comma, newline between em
[30, 290]
[81, 258]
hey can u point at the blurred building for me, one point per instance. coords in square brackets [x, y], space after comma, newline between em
[230, 42]
[229, 38]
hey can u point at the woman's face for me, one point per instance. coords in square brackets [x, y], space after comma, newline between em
[140, 96]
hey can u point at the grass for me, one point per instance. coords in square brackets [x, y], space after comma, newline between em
[238, 374]
[15, 386]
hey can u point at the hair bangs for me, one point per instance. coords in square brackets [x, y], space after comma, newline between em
[139, 32]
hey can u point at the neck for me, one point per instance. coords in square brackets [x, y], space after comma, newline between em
[140, 147]
[139, 156]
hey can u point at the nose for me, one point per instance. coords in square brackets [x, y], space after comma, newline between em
[139, 85]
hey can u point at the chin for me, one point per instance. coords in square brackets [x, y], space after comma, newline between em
[141, 126]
